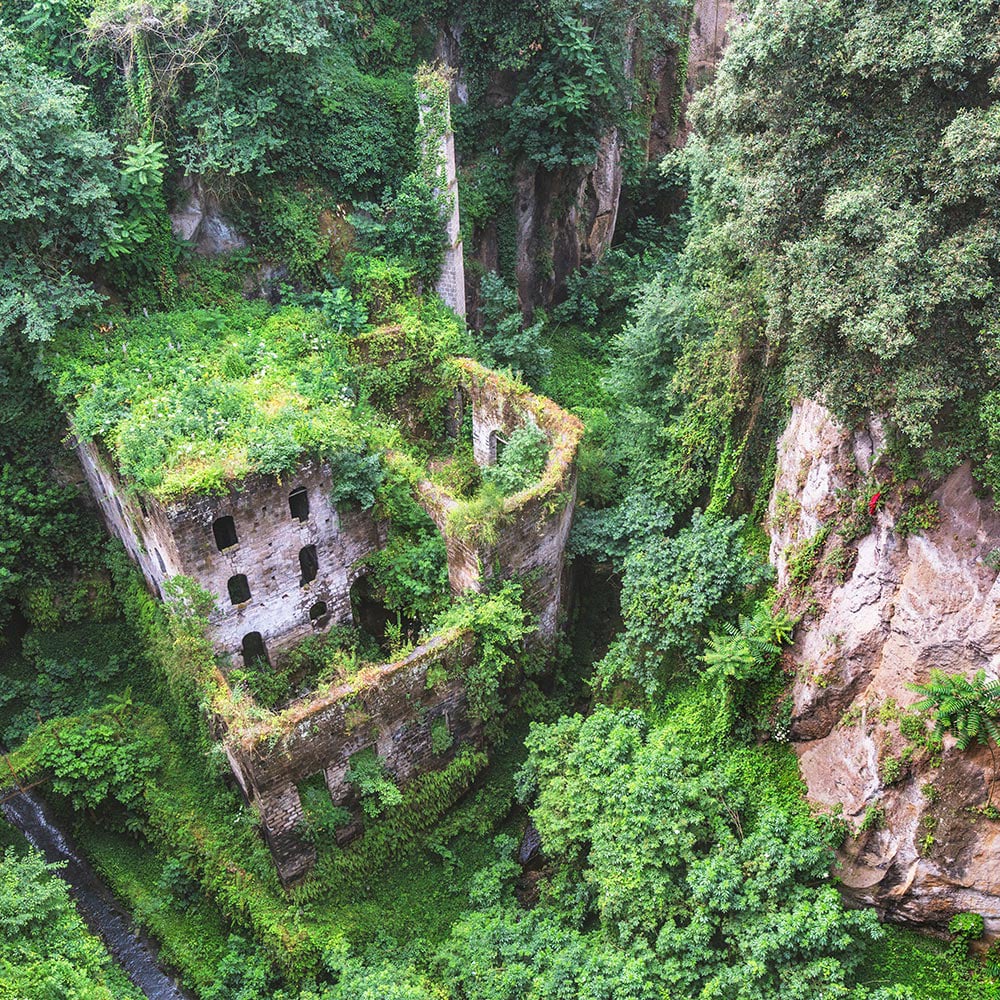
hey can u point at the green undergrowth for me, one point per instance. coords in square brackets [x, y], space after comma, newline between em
[191, 400]
[932, 969]
[410, 875]
[61, 671]
[163, 901]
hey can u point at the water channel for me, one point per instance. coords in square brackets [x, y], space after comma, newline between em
[95, 902]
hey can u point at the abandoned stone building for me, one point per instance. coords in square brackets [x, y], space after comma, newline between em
[276, 554]
[281, 559]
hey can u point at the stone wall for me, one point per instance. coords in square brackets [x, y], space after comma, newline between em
[451, 284]
[389, 709]
[267, 553]
[166, 540]
[535, 525]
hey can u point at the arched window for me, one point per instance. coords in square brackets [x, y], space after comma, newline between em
[159, 559]
[254, 650]
[497, 444]
[239, 589]
[309, 564]
[298, 504]
[224, 529]
[318, 613]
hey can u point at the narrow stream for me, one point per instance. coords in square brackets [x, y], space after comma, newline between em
[98, 907]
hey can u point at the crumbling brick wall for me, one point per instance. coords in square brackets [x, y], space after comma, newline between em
[178, 538]
[532, 536]
[389, 709]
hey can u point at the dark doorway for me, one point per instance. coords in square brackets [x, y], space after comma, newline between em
[224, 529]
[298, 504]
[370, 613]
[319, 615]
[497, 444]
[254, 650]
[309, 564]
[239, 589]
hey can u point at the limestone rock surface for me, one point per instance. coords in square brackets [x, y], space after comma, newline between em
[198, 219]
[882, 607]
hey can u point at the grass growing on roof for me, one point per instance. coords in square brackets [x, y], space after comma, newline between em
[192, 400]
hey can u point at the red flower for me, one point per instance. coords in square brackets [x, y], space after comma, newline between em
[873, 503]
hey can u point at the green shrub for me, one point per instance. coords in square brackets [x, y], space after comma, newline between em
[521, 461]
[369, 776]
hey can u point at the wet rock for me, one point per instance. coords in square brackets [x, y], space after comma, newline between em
[198, 219]
[531, 846]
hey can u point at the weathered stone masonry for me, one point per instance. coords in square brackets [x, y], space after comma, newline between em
[389, 708]
[283, 607]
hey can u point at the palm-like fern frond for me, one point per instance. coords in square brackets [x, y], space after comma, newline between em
[966, 707]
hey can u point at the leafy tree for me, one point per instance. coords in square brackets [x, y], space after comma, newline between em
[522, 460]
[728, 890]
[57, 206]
[504, 337]
[672, 589]
[843, 174]
[45, 949]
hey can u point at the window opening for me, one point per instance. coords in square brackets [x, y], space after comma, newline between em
[224, 529]
[159, 559]
[497, 444]
[298, 504]
[309, 564]
[239, 589]
[318, 614]
[254, 650]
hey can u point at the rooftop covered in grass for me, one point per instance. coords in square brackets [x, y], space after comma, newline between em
[189, 401]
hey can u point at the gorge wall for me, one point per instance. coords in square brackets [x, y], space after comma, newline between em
[891, 584]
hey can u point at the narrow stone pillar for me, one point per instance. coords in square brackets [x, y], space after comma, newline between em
[438, 152]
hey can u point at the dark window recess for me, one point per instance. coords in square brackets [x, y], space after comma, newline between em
[159, 559]
[309, 564]
[142, 507]
[318, 614]
[118, 504]
[224, 529]
[298, 504]
[239, 589]
[369, 611]
[496, 446]
[254, 650]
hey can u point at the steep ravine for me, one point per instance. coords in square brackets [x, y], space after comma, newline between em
[882, 607]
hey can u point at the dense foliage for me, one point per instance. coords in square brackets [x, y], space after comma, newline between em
[831, 228]
[45, 948]
[58, 212]
[188, 402]
[843, 175]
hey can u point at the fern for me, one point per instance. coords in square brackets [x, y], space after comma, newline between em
[968, 709]
[749, 649]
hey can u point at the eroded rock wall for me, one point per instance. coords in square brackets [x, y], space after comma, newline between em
[882, 607]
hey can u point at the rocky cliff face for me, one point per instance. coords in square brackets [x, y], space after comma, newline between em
[889, 590]
[566, 218]
[711, 22]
